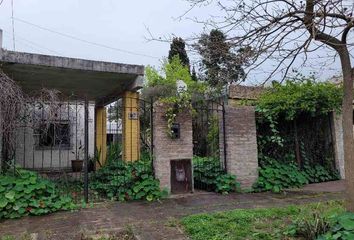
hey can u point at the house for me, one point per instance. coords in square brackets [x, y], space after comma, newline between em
[79, 124]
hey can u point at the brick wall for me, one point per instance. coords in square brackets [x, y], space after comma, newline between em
[241, 144]
[167, 149]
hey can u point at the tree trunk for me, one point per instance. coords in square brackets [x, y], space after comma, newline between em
[348, 141]
[297, 146]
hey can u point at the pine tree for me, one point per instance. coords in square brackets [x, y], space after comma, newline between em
[194, 75]
[178, 47]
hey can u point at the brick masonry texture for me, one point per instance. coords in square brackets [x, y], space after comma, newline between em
[241, 144]
[167, 149]
[244, 92]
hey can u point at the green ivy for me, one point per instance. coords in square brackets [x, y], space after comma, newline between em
[275, 176]
[318, 173]
[25, 193]
[342, 228]
[300, 96]
[124, 181]
[208, 172]
[162, 86]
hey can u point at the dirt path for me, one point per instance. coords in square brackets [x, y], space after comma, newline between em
[158, 220]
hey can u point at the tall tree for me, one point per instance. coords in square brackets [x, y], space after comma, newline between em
[284, 30]
[178, 47]
[194, 75]
[220, 64]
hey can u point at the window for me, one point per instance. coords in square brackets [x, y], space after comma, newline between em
[54, 135]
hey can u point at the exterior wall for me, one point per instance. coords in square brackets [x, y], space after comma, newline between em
[30, 156]
[338, 143]
[244, 92]
[167, 149]
[241, 142]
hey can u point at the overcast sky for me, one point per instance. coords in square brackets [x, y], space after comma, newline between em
[116, 23]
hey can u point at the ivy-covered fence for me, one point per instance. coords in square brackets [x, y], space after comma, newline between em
[295, 135]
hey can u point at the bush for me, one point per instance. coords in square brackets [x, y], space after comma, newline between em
[309, 227]
[25, 193]
[123, 181]
[342, 228]
[209, 173]
[275, 176]
[318, 173]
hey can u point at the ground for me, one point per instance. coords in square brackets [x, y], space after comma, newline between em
[159, 220]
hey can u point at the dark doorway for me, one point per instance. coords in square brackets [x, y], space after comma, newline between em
[181, 176]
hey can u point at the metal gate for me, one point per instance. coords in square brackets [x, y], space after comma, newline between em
[209, 145]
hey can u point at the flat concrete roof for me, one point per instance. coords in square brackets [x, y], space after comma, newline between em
[102, 82]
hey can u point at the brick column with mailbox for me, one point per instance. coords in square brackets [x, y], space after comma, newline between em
[173, 156]
[241, 144]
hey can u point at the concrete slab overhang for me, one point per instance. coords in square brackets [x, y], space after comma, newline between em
[102, 82]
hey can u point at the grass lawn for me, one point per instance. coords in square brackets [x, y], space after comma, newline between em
[262, 223]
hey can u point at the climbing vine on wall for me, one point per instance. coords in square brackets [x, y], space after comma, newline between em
[294, 123]
[300, 96]
[173, 86]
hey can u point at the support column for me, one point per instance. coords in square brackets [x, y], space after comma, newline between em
[173, 157]
[131, 126]
[101, 135]
[241, 144]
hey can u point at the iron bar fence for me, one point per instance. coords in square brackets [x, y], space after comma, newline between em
[61, 144]
[209, 143]
[306, 140]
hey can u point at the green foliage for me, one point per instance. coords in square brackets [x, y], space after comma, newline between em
[318, 173]
[309, 227]
[213, 132]
[275, 176]
[285, 102]
[178, 48]
[208, 172]
[342, 228]
[254, 224]
[123, 181]
[172, 71]
[300, 96]
[220, 64]
[25, 193]
[163, 87]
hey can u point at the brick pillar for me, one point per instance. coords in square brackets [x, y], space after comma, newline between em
[241, 144]
[131, 126]
[101, 134]
[166, 148]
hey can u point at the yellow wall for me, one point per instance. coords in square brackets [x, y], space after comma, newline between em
[101, 134]
[131, 126]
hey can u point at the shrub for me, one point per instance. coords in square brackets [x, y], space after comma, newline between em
[342, 228]
[209, 173]
[318, 173]
[123, 181]
[309, 227]
[25, 193]
[275, 176]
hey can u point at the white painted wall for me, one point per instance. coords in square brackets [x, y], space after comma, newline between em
[30, 156]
